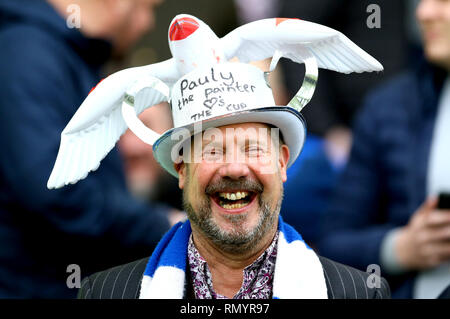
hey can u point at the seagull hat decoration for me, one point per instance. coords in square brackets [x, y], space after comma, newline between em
[205, 89]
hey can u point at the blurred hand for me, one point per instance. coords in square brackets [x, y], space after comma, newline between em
[425, 241]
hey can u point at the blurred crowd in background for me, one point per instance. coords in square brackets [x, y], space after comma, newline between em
[362, 192]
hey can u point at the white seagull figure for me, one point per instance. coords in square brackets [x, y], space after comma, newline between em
[100, 121]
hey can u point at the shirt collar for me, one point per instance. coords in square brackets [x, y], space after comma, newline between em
[257, 279]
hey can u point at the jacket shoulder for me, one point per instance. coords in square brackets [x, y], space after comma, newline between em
[120, 282]
[123, 282]
[345, 282]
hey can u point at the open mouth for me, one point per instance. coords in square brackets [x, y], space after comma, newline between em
[231, 200]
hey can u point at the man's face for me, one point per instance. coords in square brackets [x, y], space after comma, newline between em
[434, 19]
[233, 187]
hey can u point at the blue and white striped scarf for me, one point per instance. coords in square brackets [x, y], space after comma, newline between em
[298, 271]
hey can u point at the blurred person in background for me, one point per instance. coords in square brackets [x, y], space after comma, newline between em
[47, 67]
[145, 177]
[385, 210]
[338, 97]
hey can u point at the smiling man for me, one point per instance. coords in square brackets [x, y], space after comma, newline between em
[231, 168]
[230, 148]
[233, 207]
[235, 244]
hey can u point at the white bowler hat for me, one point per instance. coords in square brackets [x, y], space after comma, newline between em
[204, 87]
[223, 94]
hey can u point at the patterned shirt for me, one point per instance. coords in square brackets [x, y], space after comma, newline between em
[258, 277]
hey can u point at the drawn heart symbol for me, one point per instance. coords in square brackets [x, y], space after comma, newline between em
[210, 103]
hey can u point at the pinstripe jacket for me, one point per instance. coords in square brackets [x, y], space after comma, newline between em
[123, 282]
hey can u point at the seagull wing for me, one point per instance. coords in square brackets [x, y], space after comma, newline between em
[291, 37]
[98, 123]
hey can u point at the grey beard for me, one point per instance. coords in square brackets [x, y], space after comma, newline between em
[238, 240]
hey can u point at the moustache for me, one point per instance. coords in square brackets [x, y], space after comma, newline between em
[229, 185]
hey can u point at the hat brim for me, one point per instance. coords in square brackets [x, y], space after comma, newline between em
[290, 122]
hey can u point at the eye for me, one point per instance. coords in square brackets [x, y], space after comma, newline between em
[254, 150]
[212, 153]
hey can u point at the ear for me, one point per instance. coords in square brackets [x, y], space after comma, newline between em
[283, 159]
[181, 170]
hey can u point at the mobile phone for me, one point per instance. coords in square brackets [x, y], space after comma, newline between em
[444, 201]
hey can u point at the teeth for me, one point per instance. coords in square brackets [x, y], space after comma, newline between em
[234, 196]
[233, 206]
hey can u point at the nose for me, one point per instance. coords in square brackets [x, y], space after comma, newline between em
[426, 10]
[234, 170]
